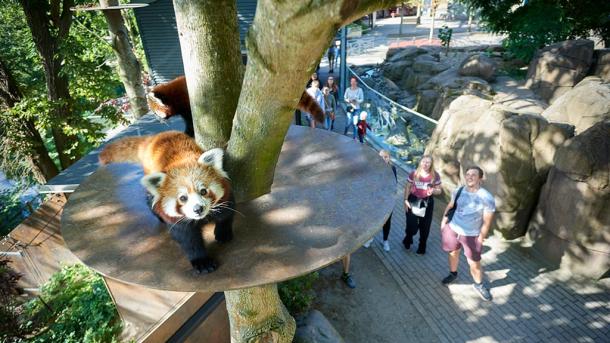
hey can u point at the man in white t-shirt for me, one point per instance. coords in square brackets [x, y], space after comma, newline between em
[354, 96]
[468, 228]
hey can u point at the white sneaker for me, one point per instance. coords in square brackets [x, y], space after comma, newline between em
[386, 245]
[368, 243]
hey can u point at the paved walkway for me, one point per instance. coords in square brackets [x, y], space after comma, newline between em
[532, 302]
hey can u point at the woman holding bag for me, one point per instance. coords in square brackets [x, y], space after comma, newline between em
[421, 185]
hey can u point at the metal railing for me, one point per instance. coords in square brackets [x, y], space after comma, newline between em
[402, 131]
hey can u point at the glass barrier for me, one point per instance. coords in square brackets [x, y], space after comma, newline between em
[396, 128]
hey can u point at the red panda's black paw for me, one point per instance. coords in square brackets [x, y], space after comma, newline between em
[223, 237]
[204, 265]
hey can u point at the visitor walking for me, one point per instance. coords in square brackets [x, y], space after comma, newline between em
[354, 97]
[316, 93]
[333, 88]
[332, 57]
[330, 108]
[422, 184]
[466, 223]
[362, 125]
[346, 276]
[385, 155]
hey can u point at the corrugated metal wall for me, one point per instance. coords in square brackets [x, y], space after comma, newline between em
[157, 25]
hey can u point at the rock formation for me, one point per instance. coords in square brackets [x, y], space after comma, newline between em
[514, 149]
[582, 106]
[601, 64]
[571, 224]
[557, 68]
[478, 65]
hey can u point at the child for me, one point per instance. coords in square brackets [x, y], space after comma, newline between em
[362, 125]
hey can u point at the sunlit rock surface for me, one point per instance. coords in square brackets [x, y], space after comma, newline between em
[571, 224]
[514, 149]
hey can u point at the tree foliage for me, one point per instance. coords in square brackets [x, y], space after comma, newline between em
[86, 64]
[73, 306]
[533, 24]
[298, 294]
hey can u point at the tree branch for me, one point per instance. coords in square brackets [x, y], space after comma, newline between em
[285, 43]
[209, 40]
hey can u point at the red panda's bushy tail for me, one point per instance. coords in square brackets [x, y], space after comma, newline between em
[123, 150]
[310, 105]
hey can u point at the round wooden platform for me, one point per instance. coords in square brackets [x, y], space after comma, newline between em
[330, 195]
[95, 7]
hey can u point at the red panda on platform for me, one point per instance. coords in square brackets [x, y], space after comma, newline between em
[189, 188]
[172, 98]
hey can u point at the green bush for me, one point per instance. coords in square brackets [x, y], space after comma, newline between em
[530, 25]
[10, 330]
[74, 306]
[12, 211]
[534, 27]
[298, 294]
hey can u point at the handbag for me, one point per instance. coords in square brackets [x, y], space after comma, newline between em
[418, 206]
[451, 211]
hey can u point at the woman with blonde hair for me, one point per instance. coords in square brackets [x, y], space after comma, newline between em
[422, 184]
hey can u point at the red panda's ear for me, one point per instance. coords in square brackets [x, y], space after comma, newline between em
[152, 182]
[213, 158]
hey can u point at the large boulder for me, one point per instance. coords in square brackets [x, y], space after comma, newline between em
[315, 328]
[395, 70]
[583, 106]
[394, 55]
[571, 224]
[513, 94]
[601, 64]
[439, 91]
[557, 68]
[514, 149]
[429, 64]
[478, 65]
[426, 101]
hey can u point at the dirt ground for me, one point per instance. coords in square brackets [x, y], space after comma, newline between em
[376, 310]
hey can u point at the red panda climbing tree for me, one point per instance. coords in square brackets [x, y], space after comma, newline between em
[250, 118]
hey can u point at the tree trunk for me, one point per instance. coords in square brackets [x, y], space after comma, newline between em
[257, 315]
[285, 44]
[28, 140]
[209, 40]
[433, 9]
[128, 65]
[50, 24]
[402, 15]
[42, 165]
[282, 54]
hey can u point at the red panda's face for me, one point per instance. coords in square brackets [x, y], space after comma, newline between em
[159, 108]
[191, 191]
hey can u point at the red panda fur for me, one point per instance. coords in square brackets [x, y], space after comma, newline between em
[170, 152]
[186, 183]
[173, 99]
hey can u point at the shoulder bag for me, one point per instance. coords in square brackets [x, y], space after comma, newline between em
[451, 211]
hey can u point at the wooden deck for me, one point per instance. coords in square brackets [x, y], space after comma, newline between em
[37, 250]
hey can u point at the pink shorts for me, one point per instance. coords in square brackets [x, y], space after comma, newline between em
[451, 241]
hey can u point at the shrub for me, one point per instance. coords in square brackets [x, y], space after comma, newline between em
[74, 306]
[298, 294]
[12, 209]
[10, 330]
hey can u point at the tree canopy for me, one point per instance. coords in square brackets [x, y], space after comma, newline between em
[533, 24]
[80, 56]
